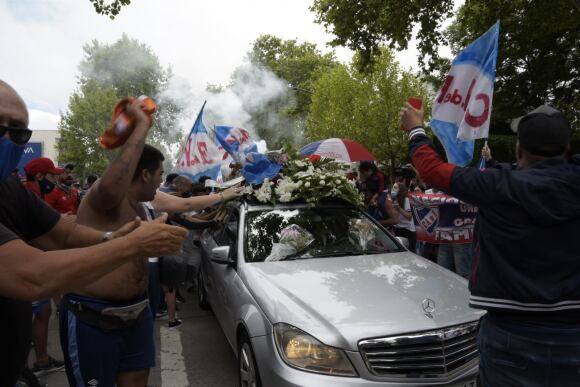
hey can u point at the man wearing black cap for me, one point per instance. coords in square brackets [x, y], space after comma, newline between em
[526, 265]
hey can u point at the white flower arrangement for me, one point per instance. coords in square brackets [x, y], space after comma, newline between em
[264, 193]
[310, 179]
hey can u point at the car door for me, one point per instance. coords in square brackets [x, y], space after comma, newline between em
[223, 278]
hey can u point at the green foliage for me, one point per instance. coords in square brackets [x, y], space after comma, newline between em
[124, 68]
[365, 106]
[112, 9]
[89, 112]
[300, 65]
[539, 54]
[363, 25]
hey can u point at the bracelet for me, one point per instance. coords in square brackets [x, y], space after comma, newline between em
[107, 236]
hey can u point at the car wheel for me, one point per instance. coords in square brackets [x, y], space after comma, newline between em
[201, 293]
[247, 367]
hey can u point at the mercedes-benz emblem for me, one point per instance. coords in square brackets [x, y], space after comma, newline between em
[428, 307]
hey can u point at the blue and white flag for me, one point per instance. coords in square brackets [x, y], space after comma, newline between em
[199, 156]
[236, 141]
[461, 112]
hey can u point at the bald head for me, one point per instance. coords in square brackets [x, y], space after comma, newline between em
[13, 111]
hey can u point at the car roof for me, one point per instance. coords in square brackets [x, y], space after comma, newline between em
[255, 206]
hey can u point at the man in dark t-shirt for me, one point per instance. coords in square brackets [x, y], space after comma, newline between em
[29, 229]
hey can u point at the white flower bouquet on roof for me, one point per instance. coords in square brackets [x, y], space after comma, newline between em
[311, 179]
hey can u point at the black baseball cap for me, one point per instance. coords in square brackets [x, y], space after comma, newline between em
[544, 131]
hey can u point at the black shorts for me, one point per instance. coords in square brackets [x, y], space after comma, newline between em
[172, 271]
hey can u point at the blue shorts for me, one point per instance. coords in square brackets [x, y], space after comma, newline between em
[38, 305]
[96, 357]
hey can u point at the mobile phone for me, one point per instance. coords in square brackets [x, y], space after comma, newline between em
[415, 102]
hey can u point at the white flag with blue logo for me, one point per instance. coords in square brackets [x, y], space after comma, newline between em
[199, 155]
[462, 110]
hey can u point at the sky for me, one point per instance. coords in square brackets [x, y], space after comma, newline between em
[203, 41]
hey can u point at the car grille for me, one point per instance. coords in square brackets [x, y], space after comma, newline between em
[422, 355]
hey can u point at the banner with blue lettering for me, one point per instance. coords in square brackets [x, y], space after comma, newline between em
[199, 156]
[236, 141]
[441, 218]
[462, 109]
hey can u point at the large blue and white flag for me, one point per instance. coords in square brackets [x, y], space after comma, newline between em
[199, 156]
[461, 112]
[236, 141]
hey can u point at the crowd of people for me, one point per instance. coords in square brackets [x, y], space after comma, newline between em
[102, 250]
[387, 201]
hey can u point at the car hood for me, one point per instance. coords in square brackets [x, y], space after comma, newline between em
[343, 300]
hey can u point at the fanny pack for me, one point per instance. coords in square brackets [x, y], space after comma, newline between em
[110, 318]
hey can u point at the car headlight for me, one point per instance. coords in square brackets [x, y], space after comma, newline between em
[303, 351]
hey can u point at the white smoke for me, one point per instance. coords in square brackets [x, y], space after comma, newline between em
[252, 90]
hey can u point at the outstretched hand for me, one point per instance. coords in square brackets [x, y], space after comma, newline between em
[233, 192]
[410, 117]
[155, 238]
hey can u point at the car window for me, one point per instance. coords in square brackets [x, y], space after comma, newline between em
[226, 234]
[313, 232]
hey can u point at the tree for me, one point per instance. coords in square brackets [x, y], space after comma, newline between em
[127, 68]
[364, 106]
[89, 112]
[539, 56]
[112, 9]
[299, 65]
[364, 25]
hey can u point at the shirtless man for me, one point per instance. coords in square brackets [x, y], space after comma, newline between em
[41, 253]
[112, 343]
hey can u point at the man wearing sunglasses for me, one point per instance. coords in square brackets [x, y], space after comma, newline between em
[41, 254]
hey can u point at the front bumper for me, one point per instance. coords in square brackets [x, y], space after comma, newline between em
[274, 372]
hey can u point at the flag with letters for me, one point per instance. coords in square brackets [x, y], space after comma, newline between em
[199, 155]
[462, 109]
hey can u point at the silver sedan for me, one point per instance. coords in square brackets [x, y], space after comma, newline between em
[325, 296]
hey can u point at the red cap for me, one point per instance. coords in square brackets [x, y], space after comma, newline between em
[42, 165]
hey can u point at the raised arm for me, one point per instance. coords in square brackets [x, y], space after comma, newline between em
[466, 183]
[168, 203]
[111, 188]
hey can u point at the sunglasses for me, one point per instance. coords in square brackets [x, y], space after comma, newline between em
[18, 136]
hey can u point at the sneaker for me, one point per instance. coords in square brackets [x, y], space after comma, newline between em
[180, 298]
[161, 314]
[175, 323]
[52, 365]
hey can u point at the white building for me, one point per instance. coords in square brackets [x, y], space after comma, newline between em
[48, 139]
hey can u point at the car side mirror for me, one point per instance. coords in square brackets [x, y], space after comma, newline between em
[221, 255]
[404, 241]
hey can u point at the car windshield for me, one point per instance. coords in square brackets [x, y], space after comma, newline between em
[301, 233]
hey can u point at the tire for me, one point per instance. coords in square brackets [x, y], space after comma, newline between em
[248, 375]
[201, 293]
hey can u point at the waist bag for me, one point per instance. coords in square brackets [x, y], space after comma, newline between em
[110, 318]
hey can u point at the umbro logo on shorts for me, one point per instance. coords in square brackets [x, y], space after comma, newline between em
[93, 382]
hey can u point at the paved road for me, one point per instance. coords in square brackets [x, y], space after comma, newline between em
[195, 354]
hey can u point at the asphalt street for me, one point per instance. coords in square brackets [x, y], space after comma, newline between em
[194, 354]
